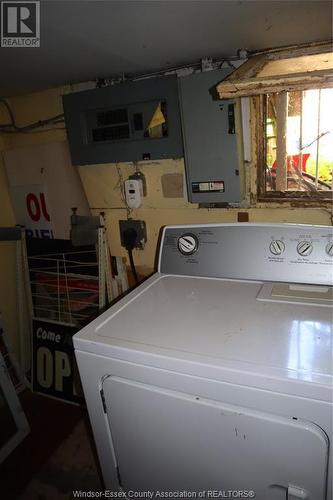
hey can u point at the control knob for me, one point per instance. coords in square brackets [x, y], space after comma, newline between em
[304, 248]
[277, 247]
[188, 244]
[329, 248]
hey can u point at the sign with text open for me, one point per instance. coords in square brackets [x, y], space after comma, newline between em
[55, 371]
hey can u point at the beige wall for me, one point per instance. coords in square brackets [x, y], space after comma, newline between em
[101, 183]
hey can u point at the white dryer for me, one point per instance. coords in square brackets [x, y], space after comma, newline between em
[213, 378]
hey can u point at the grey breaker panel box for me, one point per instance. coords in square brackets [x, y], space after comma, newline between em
[210, 143]
[130, 121]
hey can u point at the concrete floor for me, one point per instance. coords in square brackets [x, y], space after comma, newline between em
[71, 467]
[56, 458]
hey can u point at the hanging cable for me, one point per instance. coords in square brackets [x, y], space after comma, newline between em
[13, 128]
[130, 236]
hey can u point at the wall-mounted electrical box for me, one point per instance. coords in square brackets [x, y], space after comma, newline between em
[130, 121]
[210, 142]
[139, 229]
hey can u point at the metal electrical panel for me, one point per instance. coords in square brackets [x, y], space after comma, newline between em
[210, 143]
[130, 121]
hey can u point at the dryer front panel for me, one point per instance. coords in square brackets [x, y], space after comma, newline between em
[165, 440]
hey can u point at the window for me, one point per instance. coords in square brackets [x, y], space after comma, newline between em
[298, 143]
[292, 103]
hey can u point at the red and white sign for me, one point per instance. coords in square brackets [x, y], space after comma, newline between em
[32, 211]
[44, 187]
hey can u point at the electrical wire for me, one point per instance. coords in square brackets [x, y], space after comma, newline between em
[13, 128]
[51, 129]
[196, 65]
[120, 186]
[130, 234]
[129, 238]
[9, 111]
[133, 268]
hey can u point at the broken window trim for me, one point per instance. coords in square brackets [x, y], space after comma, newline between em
[244, 82]
[288, 83]
[306, 198]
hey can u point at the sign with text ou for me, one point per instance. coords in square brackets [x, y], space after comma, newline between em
[20, 23]
[55, 371]
[32, 210]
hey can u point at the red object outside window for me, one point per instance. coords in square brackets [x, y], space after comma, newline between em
[293, 164]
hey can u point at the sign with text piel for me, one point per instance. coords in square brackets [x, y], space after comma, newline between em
[55, 371]
[32, 210]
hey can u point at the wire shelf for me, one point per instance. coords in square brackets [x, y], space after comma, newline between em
[61, 294]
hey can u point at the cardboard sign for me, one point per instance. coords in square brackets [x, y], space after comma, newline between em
[44, 187]
[55, 371]
[31, 210]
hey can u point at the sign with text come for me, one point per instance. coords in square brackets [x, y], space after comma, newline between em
[55, 371]
[32, 210]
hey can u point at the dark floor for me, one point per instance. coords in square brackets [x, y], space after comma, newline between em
[56, 458]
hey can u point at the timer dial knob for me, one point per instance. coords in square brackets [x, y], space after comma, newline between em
[304, 248]
[277, 247]
[329, 248]
[188, 244]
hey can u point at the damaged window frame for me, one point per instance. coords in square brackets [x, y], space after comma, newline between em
[255, 80]
[312, 195]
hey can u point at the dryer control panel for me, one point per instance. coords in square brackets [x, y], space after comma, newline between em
[266, 252]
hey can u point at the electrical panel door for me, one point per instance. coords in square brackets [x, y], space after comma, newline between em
[129, 121]
[210, 141]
